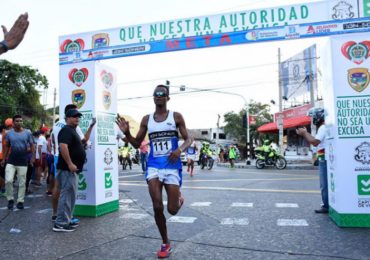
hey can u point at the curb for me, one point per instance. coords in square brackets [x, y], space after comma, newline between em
[288, 167]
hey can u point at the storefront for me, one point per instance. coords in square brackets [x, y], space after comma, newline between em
[292, 118]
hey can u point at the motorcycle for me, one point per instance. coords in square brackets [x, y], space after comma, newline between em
[206, 162]
[271, 158]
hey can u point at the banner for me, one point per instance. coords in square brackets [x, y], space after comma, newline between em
[299, 74]
[348, 148]
[91, 86]
[220, 39]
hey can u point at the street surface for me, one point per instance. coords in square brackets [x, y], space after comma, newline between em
[227, 214]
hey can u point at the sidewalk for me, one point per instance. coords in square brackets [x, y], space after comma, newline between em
[293, 163]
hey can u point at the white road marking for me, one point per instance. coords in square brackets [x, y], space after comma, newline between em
[292, 222]
[235, 221]
[178, 219]
[240, 204]
[229, 188]
[127, 201]
[201, 204]
[286, 205]
[43, 211]
[134, 216]
[127, 208]
[35, 196]
[130, 176]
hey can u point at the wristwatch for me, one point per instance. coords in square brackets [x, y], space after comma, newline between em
[4, 45]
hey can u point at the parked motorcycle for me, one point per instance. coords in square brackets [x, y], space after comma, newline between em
[269, 158]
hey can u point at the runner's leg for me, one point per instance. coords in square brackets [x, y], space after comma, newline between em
[174, 198]
[155, 191]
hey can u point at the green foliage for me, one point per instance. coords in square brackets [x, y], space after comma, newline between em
[234, 122]
[19, 95]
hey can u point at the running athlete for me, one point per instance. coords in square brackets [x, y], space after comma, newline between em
[164, 168]
[190, 155]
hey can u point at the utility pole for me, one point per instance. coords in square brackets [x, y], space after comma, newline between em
[280, 117]
[310, 81]
[54, 104]
[218, 127]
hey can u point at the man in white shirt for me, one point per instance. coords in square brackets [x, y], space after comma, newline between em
[318, 117]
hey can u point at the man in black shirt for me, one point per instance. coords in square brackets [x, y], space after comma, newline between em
[71, 160]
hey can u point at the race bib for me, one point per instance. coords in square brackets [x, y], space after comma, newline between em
[162, 147]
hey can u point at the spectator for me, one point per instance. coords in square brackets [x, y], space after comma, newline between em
[18, 139]
[70, 164]
[14, 37]
[318, 119]
[144, 149]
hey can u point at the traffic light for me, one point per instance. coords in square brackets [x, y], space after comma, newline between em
[245, 122]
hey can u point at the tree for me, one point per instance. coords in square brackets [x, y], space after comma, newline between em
[234, 122]
[19, 95]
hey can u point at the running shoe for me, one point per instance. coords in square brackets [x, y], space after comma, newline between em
[53, 218]
[75, 221]
[59, 228]
[165, 251]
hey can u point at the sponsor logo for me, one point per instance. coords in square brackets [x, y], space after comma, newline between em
[108, 158]
[108, 181]
[127, 50]
[78, 97]
[97, 54]
[292, 32]
[82, 185]
[321, 28]
[358, 78]
[363, 184]
[356, 52]
[100, 40]
[332, 183]
[358, 25]
[107, 99]
[261, 35]
[72, 46]
[106, 78]
[78, 76]
[363, 153]
[342, 10]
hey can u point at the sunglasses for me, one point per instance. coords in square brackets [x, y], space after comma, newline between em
[160, 94]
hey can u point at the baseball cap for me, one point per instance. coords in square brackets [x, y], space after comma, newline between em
[73, 113]
[8, 122]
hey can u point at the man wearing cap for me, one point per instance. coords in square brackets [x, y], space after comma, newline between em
[70, 163]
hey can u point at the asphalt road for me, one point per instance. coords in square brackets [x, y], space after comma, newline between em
[228, 214]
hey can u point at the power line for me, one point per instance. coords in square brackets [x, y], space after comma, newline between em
[207, 72]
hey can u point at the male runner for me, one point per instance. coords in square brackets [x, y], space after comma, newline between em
[191, 153]
[164, 167]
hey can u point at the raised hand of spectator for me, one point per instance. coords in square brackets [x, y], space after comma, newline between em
[14, 37]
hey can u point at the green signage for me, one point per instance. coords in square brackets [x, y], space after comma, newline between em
[363, 184]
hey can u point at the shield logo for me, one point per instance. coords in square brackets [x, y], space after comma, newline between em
[106, 78]
[107, 99]
[358, 78]
[100, 40]
[78, 97]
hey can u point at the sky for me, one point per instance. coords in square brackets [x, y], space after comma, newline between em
[249, 71]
